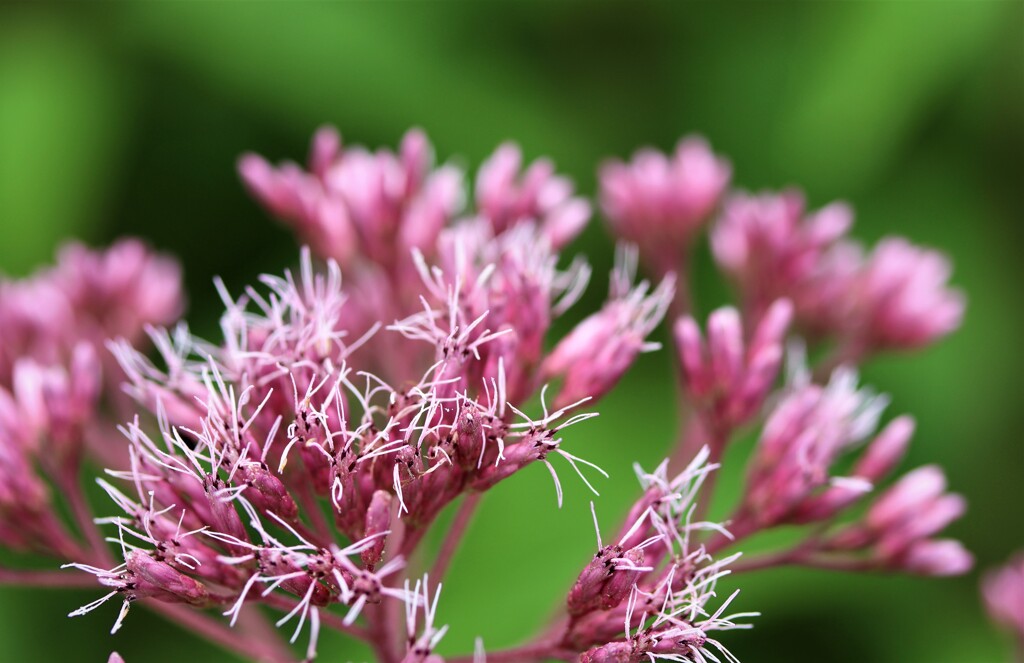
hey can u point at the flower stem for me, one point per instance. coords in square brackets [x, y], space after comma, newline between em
[454, 535]
[254, 624]
[381, 635]
[531, 652]
[256, 649]
[76, 500]
[56, 579]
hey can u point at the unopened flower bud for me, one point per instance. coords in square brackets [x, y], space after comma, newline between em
[943, 557]
[1003, 591]
[613, 652]
[324, 149]
[606, 581]
[627, 572]
[886, 450]
[266, 491]
[162, 581]
[660, 202]
[907, 497]
[378, 521]
[728, 378]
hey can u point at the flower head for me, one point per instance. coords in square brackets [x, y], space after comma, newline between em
[660, 202]
[1003, 592]
[901, 299]
[506, 197]
[773, 248]
[727, 377]
[595, 355]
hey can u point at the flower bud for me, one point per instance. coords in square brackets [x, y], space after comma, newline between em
[162, 581]
[606, 581]
[943, 557]
[660, 202]
[1003, 591]
[266, 491]
[378, 521]
[613, 652]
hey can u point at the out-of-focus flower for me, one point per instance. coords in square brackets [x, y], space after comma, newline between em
[507, 198]
[896, 298]
[56, 378]
[901, 299]
[727, 378]
[88, 297]
[900, 524]
[1003, 592]
[120, 290]
[661, 202]
[773, 248]
[804, 435]
[353, 203]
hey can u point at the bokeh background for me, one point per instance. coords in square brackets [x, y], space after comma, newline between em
[127, 118]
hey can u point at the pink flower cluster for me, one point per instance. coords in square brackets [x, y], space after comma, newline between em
[298, 462]
[1003, 593]
[56, 377]
[896, 297]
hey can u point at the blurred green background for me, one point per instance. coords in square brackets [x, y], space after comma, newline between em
[127, 118]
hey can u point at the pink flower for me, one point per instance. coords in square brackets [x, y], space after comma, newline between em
[901, 299]
[599, 350]
[507, 198]
[57, 404]
[728, 378]
[143, 576]
[911, 511]
[897, 298]
[938, 557]
[898, 528]
[88, 297]
[661, 202]
[121, 290]
[300, 200]
[772, 247]
[878, 459]
[1003, 591]
[804, 435]
[355, 203]
[37, 321]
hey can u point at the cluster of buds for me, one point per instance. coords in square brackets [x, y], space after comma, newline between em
[660, 202]
[894, 298]
[88, 297]
[1003, 593]
[57, 383]
[649, 595]
[728, 378]
[373, 213]
[254, 434]
[298, 463]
